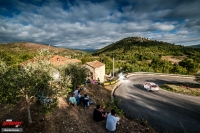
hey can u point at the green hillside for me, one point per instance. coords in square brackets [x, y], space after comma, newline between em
[145, 47]
[143, 54]
[195, 46]
[18, 52]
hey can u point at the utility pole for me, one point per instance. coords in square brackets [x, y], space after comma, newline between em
[113, 67]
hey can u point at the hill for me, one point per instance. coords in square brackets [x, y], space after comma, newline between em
[145, 46]
[65, 118]
[88, 50]
[18, 52]
[143, 54]
[195, 46]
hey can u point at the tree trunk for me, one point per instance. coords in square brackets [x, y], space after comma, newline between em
[28, 109]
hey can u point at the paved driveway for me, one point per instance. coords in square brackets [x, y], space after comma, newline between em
[165, 111]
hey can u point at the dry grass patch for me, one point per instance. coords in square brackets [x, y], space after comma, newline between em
[173, 59]
[189, 89]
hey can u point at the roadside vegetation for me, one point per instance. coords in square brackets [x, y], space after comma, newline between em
[189, 89]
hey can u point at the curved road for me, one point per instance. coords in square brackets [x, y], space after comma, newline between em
[165, 111]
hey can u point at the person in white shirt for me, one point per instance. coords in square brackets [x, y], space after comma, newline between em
[76, 91]
[112, 120]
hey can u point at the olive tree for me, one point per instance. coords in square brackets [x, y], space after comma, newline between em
[26, 80]
[77, 74]
[9, 92]
[33, 77]
[61, 82]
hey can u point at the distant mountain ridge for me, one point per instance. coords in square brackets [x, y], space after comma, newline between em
[196, 46]
[18, 52]
[33, 46]
[88, 50]
[142, 45]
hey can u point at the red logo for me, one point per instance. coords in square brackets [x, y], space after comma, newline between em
[9, 122]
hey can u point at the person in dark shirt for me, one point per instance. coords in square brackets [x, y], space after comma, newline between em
[98, 114]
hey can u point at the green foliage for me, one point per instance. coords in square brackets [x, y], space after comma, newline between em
[133, 53]
[61, 82]
[16, 53]
[9, 90]
[26, 80]
[197, 76]
[166, 87]
[179, 89]
[85, 59]
[190, 65]
[76, 73]
[115, 105]
[178, 69]
[108, 61]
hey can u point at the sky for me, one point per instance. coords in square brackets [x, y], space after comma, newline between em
[94, 24]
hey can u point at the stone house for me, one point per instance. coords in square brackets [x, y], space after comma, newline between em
[97, 70]
[60, 60]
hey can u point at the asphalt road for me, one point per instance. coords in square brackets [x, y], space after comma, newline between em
[165, 111]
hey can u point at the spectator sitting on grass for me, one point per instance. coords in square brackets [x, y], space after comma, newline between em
[78, 97]
[76, 91]
[112, 121]
[72, 100]
[98, 114]
[85, 101]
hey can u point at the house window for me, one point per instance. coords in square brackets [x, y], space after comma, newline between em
[58, 59]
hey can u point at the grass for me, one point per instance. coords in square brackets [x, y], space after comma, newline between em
[181, 89]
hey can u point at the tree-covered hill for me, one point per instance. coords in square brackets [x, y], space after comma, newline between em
[146, 47]
[144, 54]
[18, 52]
[195, 46]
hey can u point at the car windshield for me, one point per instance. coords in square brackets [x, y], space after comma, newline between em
[154, 86]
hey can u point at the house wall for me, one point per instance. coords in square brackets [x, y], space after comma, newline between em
[100, 73]
[91, 69]
[97, 73]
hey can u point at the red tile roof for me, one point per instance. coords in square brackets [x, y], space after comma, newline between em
[95, 64]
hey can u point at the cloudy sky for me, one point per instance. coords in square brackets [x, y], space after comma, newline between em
[97, 23]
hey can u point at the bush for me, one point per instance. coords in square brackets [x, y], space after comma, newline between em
[166, 87]
[115, 105]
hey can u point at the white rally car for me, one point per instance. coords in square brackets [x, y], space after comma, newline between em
[150, 86]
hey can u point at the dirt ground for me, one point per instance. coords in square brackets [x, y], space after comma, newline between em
[173, 59]
[68, 119]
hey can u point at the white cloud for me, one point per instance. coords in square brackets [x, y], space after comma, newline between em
[92, 25]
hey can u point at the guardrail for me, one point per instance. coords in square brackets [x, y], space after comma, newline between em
[110, 83]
